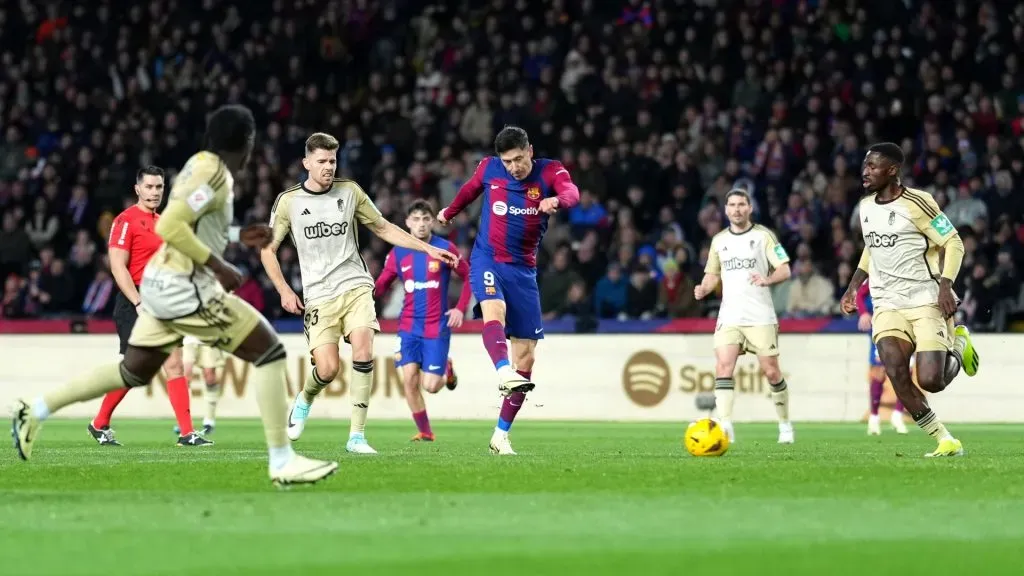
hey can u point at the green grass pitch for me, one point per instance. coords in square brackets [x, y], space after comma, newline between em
[581, 498]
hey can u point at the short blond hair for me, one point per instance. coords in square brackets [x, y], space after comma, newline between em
[321, 141]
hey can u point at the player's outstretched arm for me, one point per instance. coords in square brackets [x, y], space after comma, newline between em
[462, 270]
[707, 285]
[712, 273]
[468, 193]
[387, 276]
[848, 304]
[457, 314]
[280, 225]
[368, 215]
[395, 236]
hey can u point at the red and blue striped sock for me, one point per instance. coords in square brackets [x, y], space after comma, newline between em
[511, 404]
[495, 343]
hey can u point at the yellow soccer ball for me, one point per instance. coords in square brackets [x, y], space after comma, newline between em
[706, 438]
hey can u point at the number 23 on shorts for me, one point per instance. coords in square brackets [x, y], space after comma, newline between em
[311, 318]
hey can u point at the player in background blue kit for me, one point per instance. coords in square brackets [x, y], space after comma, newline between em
[876, 373]
[425, 327]
[520, 194]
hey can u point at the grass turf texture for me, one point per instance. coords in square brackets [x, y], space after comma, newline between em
[605, 498]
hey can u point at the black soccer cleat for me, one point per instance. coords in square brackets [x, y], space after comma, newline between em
[103, 436]
[194, 439]
[207, 429]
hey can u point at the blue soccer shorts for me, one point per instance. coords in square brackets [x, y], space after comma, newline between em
[430, 353]
[513, 284]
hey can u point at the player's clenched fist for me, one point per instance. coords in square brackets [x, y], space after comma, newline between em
[441, 218]
[548, 205]
[699, 291]
[849, 303]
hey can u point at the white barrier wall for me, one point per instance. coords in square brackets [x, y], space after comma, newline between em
[598, 377]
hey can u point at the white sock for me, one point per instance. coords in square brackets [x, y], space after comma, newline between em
[39, 409]
[281, 456]
[208, 422]
[500, 431]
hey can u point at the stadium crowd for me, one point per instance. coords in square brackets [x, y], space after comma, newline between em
[658, 108]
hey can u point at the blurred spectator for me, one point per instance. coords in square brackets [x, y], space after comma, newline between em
[587, 215]
[810, 293]
[611, 293]
[675, 292]
[99, 296]
[15, 246]
[250, 290]
[579, 307]
[42, 225]
[979, 297]
[15, 297]
[642, 296]
[58, 285]
[966, 208]
[555, 283]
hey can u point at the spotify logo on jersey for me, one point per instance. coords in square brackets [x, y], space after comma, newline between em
[646, 378]
[500, 209]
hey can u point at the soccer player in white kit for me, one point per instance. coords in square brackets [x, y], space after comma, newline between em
[747, 259]
[209, 360]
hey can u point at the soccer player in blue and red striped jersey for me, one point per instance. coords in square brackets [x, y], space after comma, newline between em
[424, 331]
[520, 193]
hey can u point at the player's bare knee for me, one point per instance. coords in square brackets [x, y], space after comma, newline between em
[362, 351]
[131, 379]
[724, 368]
[772, 372]
[142, 363]
[493, 311]
[931, 380]
[932, 386]
[432, 383]
[931, 371]
[361, 341]
[327, 369]
[173, 367]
